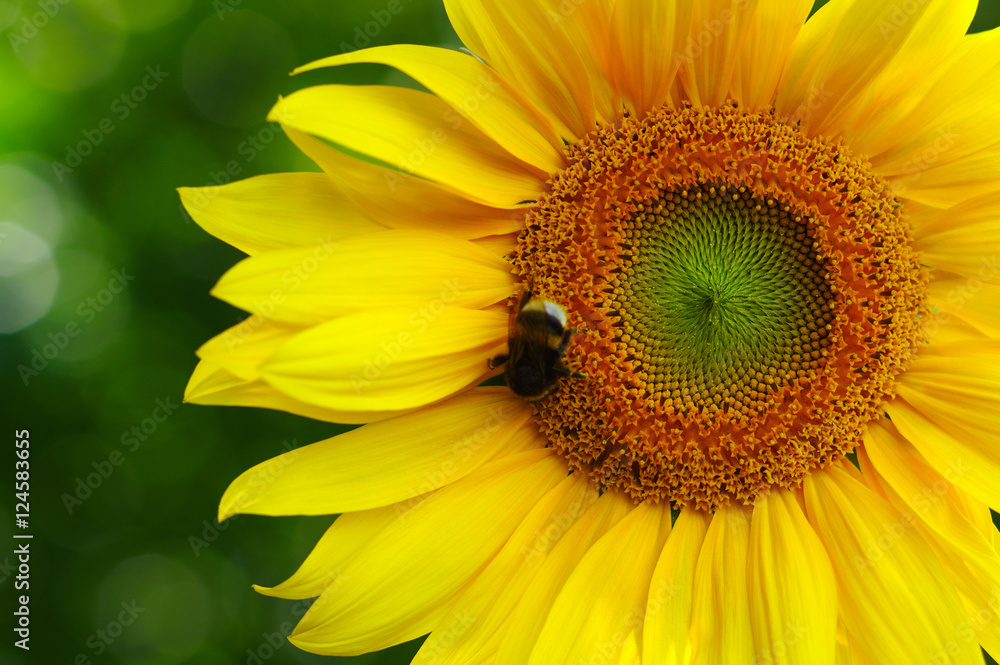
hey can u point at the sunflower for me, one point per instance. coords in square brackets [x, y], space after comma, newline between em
[774, 241]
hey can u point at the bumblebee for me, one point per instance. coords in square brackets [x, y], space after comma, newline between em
[535, 346]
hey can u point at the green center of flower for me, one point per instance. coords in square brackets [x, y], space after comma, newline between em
[744, 298]
[726, 292]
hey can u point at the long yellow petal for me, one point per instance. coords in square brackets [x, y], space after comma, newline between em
[339, 545]
[242, 348]
[893, 597]
[415, 132]
[942, 119]
[630, 651]
[667, 626]
[352, 531]
[394, 587]
[964, 239]
[381, 463]
[971, 299]
[947, 184]
[948, 407]
[548, 50]
[407, 203]
[916, 488]
[474, 626]
[275, 211]
[476, 93]
[210, 384]
[793, 595]
[527, 620]
[934, 41]
[842, 50]
[711, 50]
[968, 465]
[647, 42]
[604, 598]
[388, 359]
[774, 25]
[397, 268]
[720, 613]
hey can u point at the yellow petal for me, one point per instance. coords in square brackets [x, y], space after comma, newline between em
[411, 130]
[711, 50]
[395, 586]
[241, 349]
[276, 211]
[772, 30]
[647, 42]
[963, 240]
[407, 203]
[526, 622]
[947, 184]
[917, 489]
[604, 598]
[842, 50]
[339, 545]
[793, 596]
[397, 268]
[211, 384]
[666, 629]
[948, 407]
[932, 43]
[969, 298]
[472, 630]
[892, 594]
[630, 651]
[980, 596]
[938, 113]
[548, 50]
[381, 463]
[475, 92]
[388, 359]
[352, 531]
[720, 612]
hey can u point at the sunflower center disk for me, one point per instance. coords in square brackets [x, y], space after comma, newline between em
[744, 297]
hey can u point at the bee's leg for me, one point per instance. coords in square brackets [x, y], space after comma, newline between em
[526, 296]
[496, 361]
[567, 334]
[565, 371]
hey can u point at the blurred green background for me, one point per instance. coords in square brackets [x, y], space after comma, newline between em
[107, 106]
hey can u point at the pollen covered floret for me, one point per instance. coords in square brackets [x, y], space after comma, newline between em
[745, 298]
